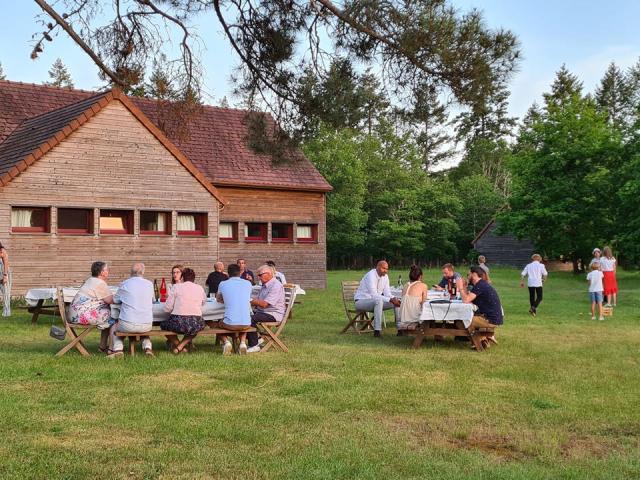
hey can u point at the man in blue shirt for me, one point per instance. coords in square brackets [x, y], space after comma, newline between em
[483, 296]
[235, 293]
[449, 278]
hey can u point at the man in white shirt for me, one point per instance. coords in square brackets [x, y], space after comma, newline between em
[536, 275]
[374, 295]
[136, 297]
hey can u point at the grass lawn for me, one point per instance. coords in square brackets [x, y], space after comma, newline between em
[559, 397]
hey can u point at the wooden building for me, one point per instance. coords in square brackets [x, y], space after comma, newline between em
[88, 176]
[502, 249]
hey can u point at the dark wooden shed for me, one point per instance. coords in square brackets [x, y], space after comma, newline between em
[502, 249]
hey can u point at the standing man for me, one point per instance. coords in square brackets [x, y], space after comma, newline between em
[269, 305]
[136, 297]
[244, 273]
[483, 296]
[449, 278]
[215, 277]
[536, 275]
[235, 293]
[482, 263]
[374, 295]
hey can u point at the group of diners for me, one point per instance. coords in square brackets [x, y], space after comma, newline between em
[184, 303]
[374, 295]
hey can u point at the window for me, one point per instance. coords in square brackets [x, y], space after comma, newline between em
[154, 223]
[75, 220]
[307, 233]
[119, 222]
[255, 232]
[30, 219]
[192, 223]
[228, 231]
[281, 232]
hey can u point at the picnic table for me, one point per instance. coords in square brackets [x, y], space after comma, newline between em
[211, 311]
[43, 301]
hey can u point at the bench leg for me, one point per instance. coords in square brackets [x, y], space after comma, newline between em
[76, 342]
[132, 345]
[36, 311]
[417, 342]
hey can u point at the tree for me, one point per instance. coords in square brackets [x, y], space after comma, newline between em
[59, 75]
[612, 97]
[2, 75]
[277, 41]
[562, 181]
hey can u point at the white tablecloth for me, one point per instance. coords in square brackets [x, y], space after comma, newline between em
[210, 311]
[33, 295]
[456, 310]
[397, 292]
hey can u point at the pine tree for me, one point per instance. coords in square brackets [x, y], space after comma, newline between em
[564, 86]
[2, 75]
[59, 75]
[612, 97]
[224, 103]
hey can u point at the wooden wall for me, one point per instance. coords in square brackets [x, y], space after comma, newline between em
[504, 249]
[110, 162]
[303, 263]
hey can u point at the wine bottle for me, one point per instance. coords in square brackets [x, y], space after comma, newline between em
[156, 292]
[163, 290]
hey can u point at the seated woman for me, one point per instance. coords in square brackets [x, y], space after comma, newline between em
[90, 306]
[176, 276]
[414, 295]
[185, 306]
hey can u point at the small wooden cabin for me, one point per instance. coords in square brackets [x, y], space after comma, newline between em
[88, 176]
[502, 249]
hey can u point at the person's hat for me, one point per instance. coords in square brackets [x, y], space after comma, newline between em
[596, 250]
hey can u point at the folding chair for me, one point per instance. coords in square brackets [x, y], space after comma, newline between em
[354, 317]
[72, 329]
[271, 330]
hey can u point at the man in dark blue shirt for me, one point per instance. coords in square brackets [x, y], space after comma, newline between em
[485, 297]
[449, 278]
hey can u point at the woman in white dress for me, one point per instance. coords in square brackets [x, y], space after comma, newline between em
[414, 295]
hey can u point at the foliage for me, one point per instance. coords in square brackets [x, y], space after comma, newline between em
[59, 75]
[2, 75]
[563, 176]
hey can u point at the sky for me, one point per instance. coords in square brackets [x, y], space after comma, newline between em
[586, 35]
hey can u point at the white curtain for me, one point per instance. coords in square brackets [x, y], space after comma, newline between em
[160, 222]
[186, 222]
[21, 217]
[226, 230]
[303, 231]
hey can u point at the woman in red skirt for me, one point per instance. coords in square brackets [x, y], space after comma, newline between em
[608, 265]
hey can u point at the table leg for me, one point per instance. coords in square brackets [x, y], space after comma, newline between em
[36, 311]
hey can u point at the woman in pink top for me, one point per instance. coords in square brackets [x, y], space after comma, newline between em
[185, 307]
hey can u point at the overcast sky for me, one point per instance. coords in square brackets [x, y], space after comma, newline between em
[586, 35]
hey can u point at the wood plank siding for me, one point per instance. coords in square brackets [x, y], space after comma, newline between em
[114, 162]
[503, 249]
[303, 263]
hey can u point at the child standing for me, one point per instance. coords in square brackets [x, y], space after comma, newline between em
[594, 278]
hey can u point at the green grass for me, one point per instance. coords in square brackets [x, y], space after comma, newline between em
[559, 397]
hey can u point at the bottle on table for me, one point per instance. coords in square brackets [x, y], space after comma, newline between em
[156, 292]
[163, 290]
[400, 285]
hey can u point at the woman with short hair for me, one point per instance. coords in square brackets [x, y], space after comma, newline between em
[90, 306]
[184, 304]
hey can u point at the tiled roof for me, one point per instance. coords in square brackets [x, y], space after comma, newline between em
[215, 145]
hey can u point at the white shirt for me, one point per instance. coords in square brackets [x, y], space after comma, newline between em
[535, 271]
[373, 286]
[281, 278]
[136, 295]
[595, 260]
[595, 281]
[607, 264]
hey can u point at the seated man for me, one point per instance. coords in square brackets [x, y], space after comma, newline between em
[485, 297]
[215, 277]
[136, 297]
[269, 305]
[279, 275]
[374, 295]
[244, 273]
[235, 293]
[449, 278]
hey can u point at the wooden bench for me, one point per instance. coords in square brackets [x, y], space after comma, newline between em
[40, 309]
[444, 329]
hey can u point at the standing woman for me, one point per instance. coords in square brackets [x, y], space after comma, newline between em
[5, 283]
[608, 265]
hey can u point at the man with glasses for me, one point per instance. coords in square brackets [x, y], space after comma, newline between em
[269, 304]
